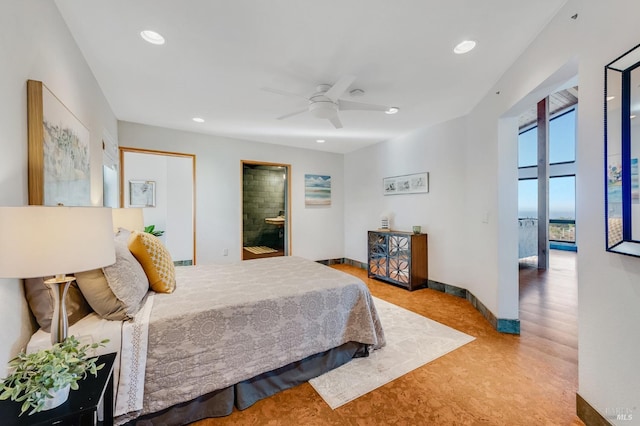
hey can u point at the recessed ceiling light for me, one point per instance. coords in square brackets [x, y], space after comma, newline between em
[152, 37]
[464, 47]
[633, 116]
[320, 140]
[392, 110]
[198, 119]
[610, 98]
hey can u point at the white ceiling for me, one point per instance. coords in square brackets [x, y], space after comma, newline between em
[220, 53]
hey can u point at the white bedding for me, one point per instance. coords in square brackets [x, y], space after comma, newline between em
[127, 338]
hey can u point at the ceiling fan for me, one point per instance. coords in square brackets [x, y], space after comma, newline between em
[325, 102]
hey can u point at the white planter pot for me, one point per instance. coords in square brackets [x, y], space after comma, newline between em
[59, 397]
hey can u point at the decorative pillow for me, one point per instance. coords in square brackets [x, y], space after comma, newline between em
[115, 292]
[41, 302]
[126, 277]
[155, 260]
[96, 290]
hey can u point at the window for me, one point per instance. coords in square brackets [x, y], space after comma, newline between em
[562, 197]
[562, 180]
[528, 199]
[528, 148]
[562, 138]
[562, 209]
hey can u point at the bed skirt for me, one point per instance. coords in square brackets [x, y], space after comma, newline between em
[242, 395]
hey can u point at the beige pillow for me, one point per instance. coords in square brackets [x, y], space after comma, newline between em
[41, 302]
[115, 292]
[96, 290]
[155, 260]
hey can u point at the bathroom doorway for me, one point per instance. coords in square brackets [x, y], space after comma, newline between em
[266, 223]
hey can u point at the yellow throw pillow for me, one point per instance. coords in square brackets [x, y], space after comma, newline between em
[155, 260]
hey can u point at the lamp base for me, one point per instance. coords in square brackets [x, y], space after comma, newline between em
[59, 321]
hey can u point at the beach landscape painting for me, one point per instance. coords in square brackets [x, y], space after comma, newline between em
[317, 190]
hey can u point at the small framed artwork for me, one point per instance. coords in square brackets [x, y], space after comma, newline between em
[317, 190]
[406, 184]
[142, 193]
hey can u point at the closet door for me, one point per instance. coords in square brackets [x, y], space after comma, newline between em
[168, 180]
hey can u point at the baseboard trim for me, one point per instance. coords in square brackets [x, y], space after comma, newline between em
[589, 415]
[503, 325]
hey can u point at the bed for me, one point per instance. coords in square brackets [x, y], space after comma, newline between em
[230, 335]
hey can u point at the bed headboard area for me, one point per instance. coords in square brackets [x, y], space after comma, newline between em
[16, 322]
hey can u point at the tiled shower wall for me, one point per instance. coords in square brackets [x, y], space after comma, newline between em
[263, 197]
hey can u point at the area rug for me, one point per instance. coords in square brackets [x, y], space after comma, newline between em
[260, 249]
[412, 341]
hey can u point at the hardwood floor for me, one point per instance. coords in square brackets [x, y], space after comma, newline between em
[498, 379]
[549, 306]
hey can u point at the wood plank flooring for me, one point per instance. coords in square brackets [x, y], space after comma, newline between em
[498, 379]
[549, 306]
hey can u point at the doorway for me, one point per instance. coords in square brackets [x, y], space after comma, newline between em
[266, 224]
[548, 289]
[168, 178]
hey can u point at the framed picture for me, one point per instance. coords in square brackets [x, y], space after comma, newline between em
[406, 184]
[142, 193]
[59, 161]
[317, 190]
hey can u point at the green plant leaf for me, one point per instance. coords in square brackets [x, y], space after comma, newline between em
[25, 407]
[36, 375]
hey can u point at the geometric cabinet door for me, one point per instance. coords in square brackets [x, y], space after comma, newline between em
[398, 257]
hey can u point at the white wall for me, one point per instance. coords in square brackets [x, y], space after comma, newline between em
[473, 244]
[435, 150]
[316, 233]
[609, 284]
[35, 44]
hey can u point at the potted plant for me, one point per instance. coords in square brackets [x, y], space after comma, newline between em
[41, 380]
[151, 229]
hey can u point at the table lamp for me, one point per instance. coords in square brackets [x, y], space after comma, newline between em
[130, 218]
[39, 241]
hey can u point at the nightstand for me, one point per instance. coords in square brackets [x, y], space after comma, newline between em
[80, 409]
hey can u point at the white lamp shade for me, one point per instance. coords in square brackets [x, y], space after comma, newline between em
[130, 219]
[39, 241]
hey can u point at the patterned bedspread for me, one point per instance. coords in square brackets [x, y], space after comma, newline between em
[228, 323]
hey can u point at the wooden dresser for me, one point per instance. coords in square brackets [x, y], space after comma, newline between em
[398, 258]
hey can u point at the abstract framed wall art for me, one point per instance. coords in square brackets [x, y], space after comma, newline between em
[317, 190]
[406, 184]
[142, 193]
[59, 160]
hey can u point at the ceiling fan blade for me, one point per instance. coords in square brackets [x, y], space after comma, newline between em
[350, 105]
[335, 120]
[291, 114]
[283, 92]
[340, 87]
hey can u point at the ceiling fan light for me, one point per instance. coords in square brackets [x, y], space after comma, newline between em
[323, 109]
[392, 110]
[464, 47]
[152, 37]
